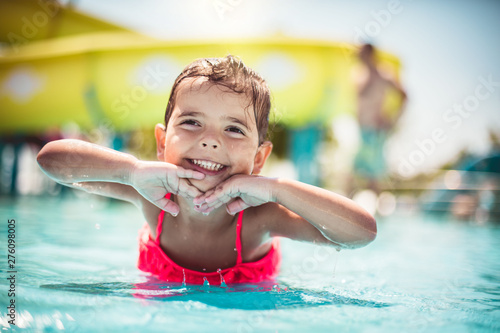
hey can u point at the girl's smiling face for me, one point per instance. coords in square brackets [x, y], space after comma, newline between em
[211, 130]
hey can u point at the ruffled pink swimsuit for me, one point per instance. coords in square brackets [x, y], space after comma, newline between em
[152, 259]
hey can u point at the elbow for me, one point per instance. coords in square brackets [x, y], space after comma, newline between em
[42, 158]
[45, 157]
[49, 160]
[370, 231]
[365, 235]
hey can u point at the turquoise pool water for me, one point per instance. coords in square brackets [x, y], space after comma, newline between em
[75, 270]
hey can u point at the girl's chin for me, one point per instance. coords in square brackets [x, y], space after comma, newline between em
[204, 185]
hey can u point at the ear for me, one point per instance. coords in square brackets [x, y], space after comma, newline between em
[263, 153]
[160, 132]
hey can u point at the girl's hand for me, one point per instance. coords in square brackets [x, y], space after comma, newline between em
[153, 180]
[238, 193]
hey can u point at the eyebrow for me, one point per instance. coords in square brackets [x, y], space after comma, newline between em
[190, 114]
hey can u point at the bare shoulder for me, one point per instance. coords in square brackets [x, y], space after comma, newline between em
[388, 76]
[359, 75]
[256, 221]
[255, 233]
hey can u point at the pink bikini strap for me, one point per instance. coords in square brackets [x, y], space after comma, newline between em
[159, 225]
[239, 260]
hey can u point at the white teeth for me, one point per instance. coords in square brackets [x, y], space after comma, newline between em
[208, 165]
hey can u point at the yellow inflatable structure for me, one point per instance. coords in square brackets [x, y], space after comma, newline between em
[93, 73]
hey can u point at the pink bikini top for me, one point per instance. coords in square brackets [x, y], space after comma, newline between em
[152, 259]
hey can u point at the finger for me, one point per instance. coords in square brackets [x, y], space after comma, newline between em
[228, 186]
[200, 199]
[236, 206]
[172, 183]
[203, 209]
[224, 192]
[168, 205]
[188, 173]
[187, 190]
[220, 201]
[200, 208]
[220, 198]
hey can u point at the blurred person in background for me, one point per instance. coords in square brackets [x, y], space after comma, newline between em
[375, 118]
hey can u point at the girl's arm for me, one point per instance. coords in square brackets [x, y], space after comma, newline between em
[338, 218]
[104, 171]
[297, 208]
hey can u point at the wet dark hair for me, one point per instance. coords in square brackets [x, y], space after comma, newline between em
[231, 73]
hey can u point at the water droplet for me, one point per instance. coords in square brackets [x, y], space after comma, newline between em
[335, 265]
[235, 249]
[204, 269]
[205, 282]
[183, 278]
[222, 282]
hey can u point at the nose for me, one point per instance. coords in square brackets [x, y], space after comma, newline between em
[210, 140]
[213, 145]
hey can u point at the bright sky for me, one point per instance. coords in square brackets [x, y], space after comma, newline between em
[450, 50]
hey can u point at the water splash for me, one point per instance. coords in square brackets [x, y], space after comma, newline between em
[183, 278]
[222, 282]
[335, 264]
[205, 282]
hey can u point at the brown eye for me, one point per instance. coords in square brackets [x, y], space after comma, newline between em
[189, 122]
[236, 130]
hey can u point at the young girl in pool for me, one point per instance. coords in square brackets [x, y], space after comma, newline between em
[210, 216]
